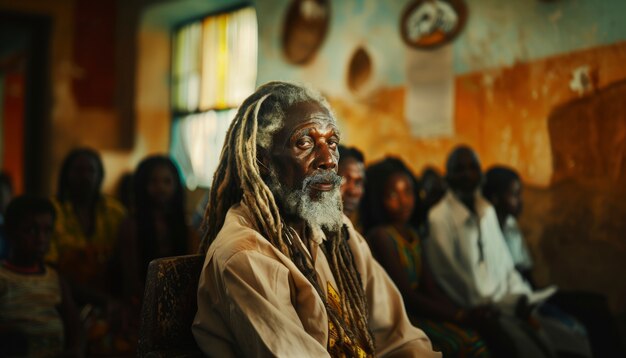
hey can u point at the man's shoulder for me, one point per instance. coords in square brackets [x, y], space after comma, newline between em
[238, 235]
[441, 210]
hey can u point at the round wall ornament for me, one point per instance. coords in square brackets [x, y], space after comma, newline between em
[427, 24]
[305, 27]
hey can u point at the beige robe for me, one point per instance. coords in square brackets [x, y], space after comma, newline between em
[253, 301]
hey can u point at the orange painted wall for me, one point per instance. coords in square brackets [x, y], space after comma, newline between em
[501, 112]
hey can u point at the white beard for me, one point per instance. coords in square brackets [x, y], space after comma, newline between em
[324, 212]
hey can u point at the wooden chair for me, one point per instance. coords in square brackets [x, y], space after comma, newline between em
[169, 307]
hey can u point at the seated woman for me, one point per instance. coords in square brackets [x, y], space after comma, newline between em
[86, 227]
[386, 209]
[83, 243]
[157, 227]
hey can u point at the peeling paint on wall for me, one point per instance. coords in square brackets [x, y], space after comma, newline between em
[429, 103]
[581, 80]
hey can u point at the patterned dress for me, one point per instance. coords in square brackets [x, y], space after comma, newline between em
[451, 339]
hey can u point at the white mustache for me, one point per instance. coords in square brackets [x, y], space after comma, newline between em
[326, 177]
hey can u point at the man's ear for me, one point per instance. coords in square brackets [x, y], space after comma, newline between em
[263, 160]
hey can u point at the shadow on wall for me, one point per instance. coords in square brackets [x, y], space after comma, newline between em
[588, 137]
[576, 226]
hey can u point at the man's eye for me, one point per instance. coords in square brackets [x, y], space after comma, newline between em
[304, 142]
[333, 144]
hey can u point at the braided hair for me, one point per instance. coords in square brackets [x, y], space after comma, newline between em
[238, 179]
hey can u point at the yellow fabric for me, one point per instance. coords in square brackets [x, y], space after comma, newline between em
[28, 305]
[80, 258]
[334, 298]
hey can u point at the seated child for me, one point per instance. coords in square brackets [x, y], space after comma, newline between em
[37, 314]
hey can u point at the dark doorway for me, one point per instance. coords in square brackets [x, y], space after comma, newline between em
[25, 106]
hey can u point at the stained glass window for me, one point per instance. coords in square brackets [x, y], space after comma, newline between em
[214, 68]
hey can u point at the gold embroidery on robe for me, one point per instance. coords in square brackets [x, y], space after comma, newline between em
[348, 349]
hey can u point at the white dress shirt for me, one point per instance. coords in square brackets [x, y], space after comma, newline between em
[469, 277]
[517, 245]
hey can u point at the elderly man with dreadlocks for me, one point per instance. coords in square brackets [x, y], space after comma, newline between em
[285, 272]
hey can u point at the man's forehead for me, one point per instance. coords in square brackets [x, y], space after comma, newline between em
[301, 115]
[308, 111]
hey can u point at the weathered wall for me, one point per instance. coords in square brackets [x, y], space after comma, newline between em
[89, 99]
[576, 226]
[575, 232]
[503, 113]
[501, 45]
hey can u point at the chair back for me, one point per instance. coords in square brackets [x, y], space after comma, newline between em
[169, 307]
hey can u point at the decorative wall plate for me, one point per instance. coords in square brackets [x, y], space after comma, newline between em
[306, 25]
[427, 24]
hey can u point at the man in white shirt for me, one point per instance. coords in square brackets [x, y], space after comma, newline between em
[471, 262]
[285, 272]
[466, 249]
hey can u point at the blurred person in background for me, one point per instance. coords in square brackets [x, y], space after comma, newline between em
[38, 317]
[352, 172]
[157, 226]
[432, 188]
[471, 262]
[83, 242]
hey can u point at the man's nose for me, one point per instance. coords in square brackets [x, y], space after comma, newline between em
[325, 158]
